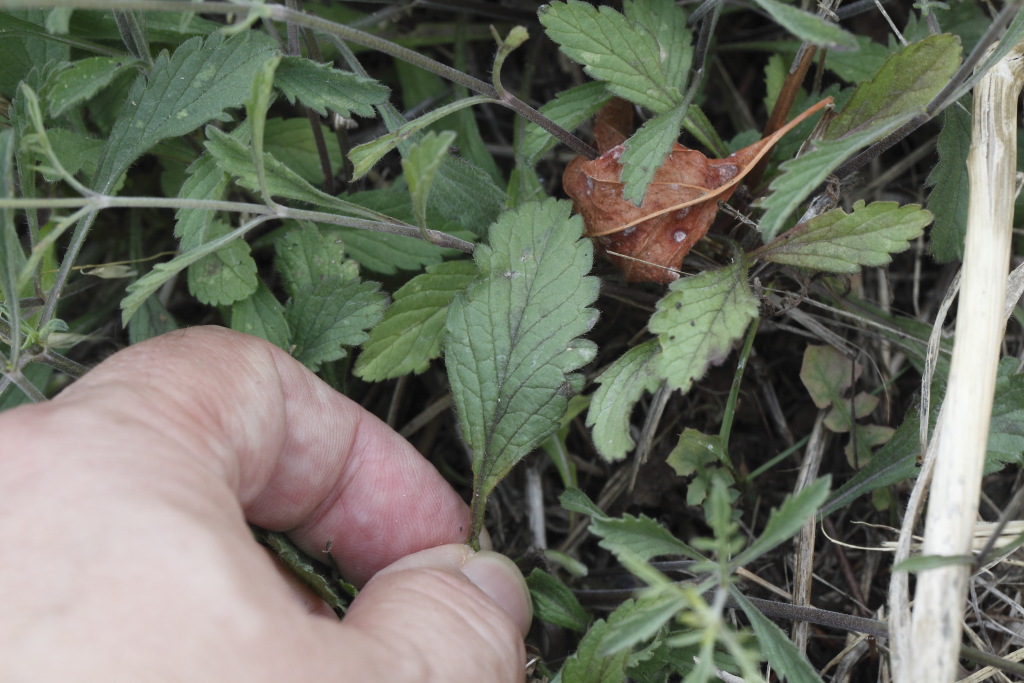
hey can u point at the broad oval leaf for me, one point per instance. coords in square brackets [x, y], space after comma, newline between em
[513, 337]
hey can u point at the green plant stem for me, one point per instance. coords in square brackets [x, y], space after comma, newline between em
[477, 511]
[734, 392]
[354, 35]
[98, 202]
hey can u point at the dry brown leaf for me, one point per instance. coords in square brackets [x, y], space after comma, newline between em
[650, 241]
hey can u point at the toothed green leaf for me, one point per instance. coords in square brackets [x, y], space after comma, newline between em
[321, 87]
[512, 342]
[621, 386]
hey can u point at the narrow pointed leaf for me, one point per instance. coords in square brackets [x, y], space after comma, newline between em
[640, 537]
[650, 614]
[622, 53]
[809, 27]
[569, 109]
[621, 386]
[321, 87]
[646, 152]
[907, 81]
[787, 519]
[513, 338]
[419, 167]
[554, 603]
[776, 646]
[81, 80]
[410, 334]
[183, 91]
[698, 320]
[950, 189]
[840, 242]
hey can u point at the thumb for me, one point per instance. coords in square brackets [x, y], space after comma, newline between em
[446, 614]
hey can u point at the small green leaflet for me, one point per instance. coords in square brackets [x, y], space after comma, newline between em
[512, 342]
[291, 142]
[950, 189]
[646, 151]
[261, 315]
[329, 307]
[809, 27]
[786, 520]
[624, 54]
[640, 537]
[182, 92]
[698, 320]
[776, 646]
[922, 563]
[152, 320]
[649, 615]
[621, 386]
[321, 87]
[419, 167]
[569, 109]
[905, 84]
[589, 664]
[225, 276]
[11, 254]
[554, 603]
[801, 176]
[700, 455]
[80, 80]
[840, 242]
[366, 155]
[411, 332]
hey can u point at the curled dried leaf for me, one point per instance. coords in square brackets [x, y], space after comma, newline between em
[649, 242]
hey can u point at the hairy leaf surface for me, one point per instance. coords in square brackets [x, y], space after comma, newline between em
[621, 386]
[410, 334]
[321, 87]
[840, 242]
[698, 320]
[950, 188]
[513, 342]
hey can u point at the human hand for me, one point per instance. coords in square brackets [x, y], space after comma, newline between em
[126, 555]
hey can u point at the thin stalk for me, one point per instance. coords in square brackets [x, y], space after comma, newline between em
[737, 380]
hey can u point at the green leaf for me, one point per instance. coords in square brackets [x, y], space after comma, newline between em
[575, 500]
[650, 614]
[256, 116]
[698, 320]
[235, 158]
[145, 286]
[920, 563]
[11, 254]
[646, 152]
[950, 187]
[410, 334]
[329, 308]
[465, 195]
[367, 154]
[624, 54]
[152, 320]
[386, 253]
[808, 27]
[801, 176]
[588, 664]
[621, 386]
[787, 519]
[827, 374]
[907, 81]
[569, 109]
[419, 166]
[856, 66]
[841, 242]
[25, 45]
[776, 646]
[261, 315]
[182, 92]
[640, 537]
[76, 151]
[512, 342]
[554, 603]
[80, 80]
[321, 87]
[701, 455]
[668, 23]
[291, 142]
[225, 276]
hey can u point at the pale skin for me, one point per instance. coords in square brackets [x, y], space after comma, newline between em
[126, 554]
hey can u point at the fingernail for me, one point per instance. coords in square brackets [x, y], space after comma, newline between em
[501, 580]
